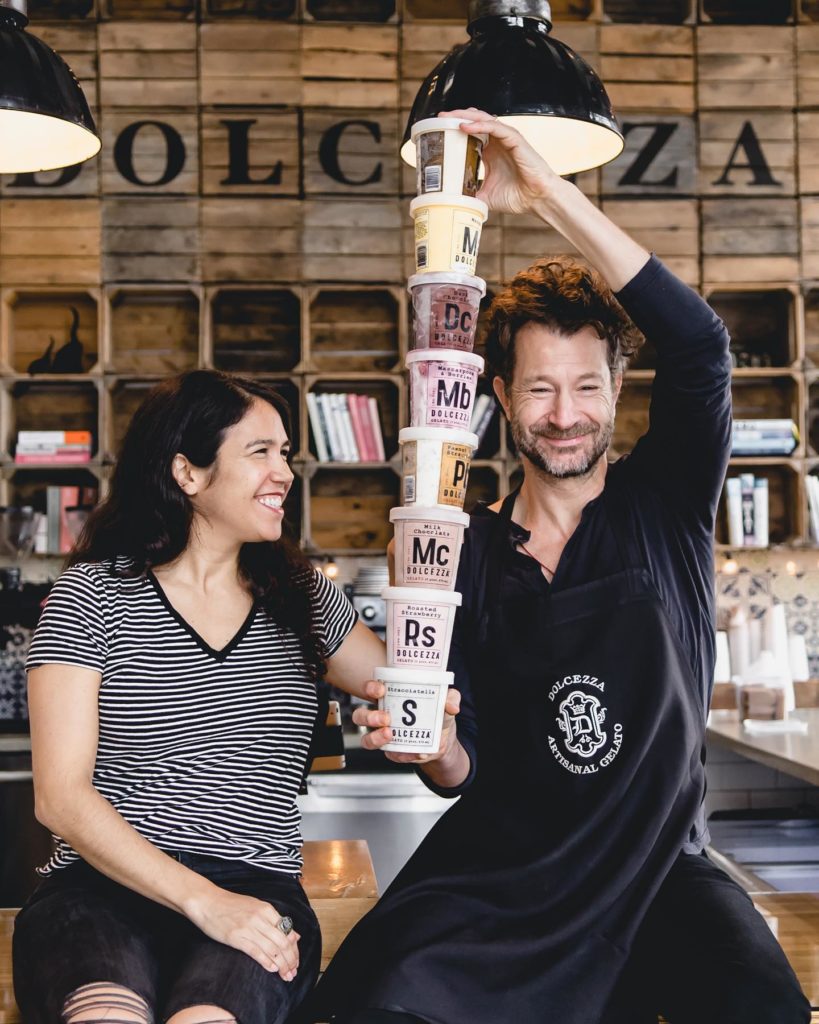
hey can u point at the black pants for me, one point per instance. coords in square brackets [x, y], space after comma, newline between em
[704, 955]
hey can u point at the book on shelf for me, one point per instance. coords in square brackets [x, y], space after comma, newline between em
[346, 427]
[764, 437]
[812, 485]
[40, 446]
[747, 505]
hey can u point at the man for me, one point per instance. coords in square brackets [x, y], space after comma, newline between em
[569, 883]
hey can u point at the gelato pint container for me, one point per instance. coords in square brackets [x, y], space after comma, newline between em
[445, 310]
[427, 546]
[415, 701]
[447, 232]
[443, 383]
[435, 465]
[446, 159]
[419, 626]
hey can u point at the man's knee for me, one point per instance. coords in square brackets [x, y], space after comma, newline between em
[768, 999]
[202, 1015]
[101, 1001]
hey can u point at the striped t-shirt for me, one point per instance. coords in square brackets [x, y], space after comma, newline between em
[199, 750]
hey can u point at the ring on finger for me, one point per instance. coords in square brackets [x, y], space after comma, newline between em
[285, 924]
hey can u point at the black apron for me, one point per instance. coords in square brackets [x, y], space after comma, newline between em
[522, 902]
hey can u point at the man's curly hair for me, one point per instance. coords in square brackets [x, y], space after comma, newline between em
[564, 295]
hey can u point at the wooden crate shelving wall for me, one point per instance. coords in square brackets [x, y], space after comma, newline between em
[249, 211]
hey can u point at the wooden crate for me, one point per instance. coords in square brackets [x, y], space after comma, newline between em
[350, 66]
[151, 239]
[809, 214]
[730, 141]
[347, 150]
[255, 330]
[52, 405]
[247, 241]
[422, 47]
[761, 323]
[349, 509]
[807, 65]
[669, 227]
[145, 64]
[667, 12]
[50, 242]
[659, 157]
[784, 498]
[251, 62]
[807, 126]
[745, 66]
[33, 319]
[648, 67]
[152, 330]
[353, 240]
[266, 160]
[350, 10]
[811, 307]
[750, 240]
[60, 9]
[353, 329]
[154, 9]
[524, 239]
[279, 9]
[388, 391]
[156, 150]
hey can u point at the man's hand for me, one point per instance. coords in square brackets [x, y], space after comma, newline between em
[379, 723]
[516, 177]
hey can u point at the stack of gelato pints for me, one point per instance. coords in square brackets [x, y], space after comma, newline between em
[437, 447]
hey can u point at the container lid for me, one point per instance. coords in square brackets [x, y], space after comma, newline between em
[412, 675]
[447, 434]
[443, 199]
[445, 355]
[448, 277]
[420, 513]
[439, 124]
[426, 595]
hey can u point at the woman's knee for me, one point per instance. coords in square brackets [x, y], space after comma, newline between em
[101, 1002]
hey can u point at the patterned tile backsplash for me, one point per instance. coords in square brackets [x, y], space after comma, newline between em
[757, 579]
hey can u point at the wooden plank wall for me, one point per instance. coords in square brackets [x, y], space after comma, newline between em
[241, 149]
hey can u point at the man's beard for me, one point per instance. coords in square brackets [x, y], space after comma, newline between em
[563, 466]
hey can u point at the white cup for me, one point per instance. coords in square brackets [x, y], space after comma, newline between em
[443, 383]
[435, 465]
[427, 546]
[419, 626]
[446, 159]
[415, 701]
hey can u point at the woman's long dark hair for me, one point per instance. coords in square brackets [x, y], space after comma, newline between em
[147, 517]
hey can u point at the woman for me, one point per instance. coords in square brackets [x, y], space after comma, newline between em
[172, 694]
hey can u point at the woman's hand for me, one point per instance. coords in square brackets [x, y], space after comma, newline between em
[379, 723]
[516, 178]
[249, 925]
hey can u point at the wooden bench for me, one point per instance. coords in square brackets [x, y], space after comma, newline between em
[338, 878]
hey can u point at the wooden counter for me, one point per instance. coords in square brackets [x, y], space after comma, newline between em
[791, 753]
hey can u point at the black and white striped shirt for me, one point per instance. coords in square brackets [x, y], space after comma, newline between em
[199, 750]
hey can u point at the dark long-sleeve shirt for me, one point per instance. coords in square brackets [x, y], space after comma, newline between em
[671, 482]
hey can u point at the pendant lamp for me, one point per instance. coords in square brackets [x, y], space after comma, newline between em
[45, 122]
[513, 68]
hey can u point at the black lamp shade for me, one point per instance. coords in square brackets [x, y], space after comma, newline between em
[514, 69]
[44, 117]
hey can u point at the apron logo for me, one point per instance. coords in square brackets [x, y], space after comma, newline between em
[580, 718]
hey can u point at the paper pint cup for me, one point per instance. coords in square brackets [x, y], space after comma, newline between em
[446, 159]
[415, 701]
[427, 546]
[447, 232]
[443, 383]
[419, 626]
[445, 310]
[435, 465]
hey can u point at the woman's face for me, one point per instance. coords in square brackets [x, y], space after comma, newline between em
[240, 497]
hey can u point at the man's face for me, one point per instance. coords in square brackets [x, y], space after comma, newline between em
[561, 401]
